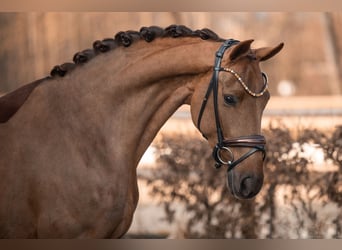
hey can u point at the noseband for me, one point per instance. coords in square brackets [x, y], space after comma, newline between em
[254, 142]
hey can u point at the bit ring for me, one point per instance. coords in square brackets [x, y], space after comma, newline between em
[218, 154]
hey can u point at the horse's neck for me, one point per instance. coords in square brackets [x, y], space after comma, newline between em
[138, 89]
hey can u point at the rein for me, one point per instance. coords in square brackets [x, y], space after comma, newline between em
[255, 142]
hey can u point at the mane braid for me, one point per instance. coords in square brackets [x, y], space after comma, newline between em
[126, 38]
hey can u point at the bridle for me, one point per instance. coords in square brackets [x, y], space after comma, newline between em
[254, 142]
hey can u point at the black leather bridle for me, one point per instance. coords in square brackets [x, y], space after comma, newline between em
[255, 142]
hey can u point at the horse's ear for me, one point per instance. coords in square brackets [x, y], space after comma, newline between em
[241, 49]
[264, 54]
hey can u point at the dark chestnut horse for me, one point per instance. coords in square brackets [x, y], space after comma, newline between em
[70, 143]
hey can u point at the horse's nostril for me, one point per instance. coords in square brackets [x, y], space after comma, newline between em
[248, 187]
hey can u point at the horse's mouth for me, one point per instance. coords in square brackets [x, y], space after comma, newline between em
[243, 188]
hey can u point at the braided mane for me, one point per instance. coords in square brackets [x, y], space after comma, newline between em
[129, 37]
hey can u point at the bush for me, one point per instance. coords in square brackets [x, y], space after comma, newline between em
[295, 202]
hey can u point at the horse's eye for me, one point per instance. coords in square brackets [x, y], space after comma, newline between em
[230, 100]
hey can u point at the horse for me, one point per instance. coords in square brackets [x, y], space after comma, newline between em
[71, 142]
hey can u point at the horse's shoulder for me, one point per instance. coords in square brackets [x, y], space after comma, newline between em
[10, 103]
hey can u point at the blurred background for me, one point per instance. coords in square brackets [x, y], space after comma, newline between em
[32, 43]
[302, 195]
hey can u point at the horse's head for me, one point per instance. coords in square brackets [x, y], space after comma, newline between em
[228, 109]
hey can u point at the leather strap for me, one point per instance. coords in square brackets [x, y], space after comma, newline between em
[213, 85]
[255, 142]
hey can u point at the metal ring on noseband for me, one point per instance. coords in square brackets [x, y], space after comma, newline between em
[218, 158]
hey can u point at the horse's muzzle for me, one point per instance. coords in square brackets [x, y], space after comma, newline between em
[245, 187]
